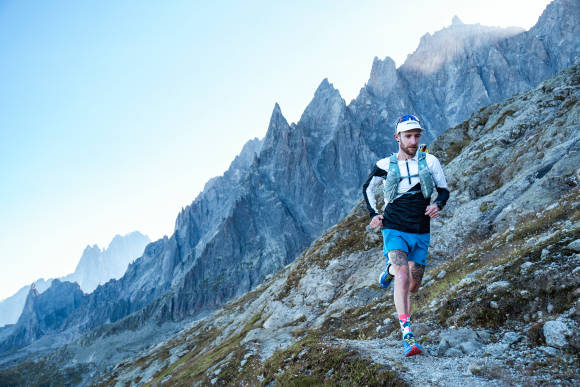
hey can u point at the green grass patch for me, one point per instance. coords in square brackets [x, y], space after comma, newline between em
[192, 367]
[455, 148]
[311, 362]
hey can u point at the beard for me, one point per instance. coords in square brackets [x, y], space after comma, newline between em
[410, 150]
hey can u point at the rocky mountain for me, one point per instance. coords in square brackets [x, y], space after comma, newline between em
[43, 315]
[499, 304]
[11, 307]
[283, 191]
[95, 267]
[462, 68]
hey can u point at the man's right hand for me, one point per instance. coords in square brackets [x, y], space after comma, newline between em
[377, 221]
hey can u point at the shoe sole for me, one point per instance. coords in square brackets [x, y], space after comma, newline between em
[414, 351]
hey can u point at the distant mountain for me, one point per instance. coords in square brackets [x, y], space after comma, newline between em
[95, 267]
[282, 192]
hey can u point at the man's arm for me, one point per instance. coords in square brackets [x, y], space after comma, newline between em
[376, 176]
[442, 197]
[440, 183]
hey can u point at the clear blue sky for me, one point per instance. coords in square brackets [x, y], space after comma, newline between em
[113, 114]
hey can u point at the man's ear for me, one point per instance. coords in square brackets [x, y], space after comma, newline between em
[396, 137]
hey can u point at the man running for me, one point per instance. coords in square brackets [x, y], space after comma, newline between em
[409, 177]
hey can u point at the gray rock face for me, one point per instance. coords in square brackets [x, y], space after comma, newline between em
[11, 307]
[462, 68]
[498, 286]
[284, 191]
[575, 245]
[458, 342]
[558, 332]
[521, 156]
[46, 313]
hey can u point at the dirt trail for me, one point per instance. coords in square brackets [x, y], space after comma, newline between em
[426, 369]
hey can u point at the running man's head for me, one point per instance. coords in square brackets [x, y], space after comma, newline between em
[408, 134]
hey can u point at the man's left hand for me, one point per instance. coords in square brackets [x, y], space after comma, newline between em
[432, 211]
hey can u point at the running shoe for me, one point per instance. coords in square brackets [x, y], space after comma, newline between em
[385, 278]
[410, 345]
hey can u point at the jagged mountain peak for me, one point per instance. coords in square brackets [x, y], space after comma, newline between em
[557, 12]
[115, 239]
[324, 85]
[451, 42]
[323, 113]
[277, 127]
[383, 76]
[90, 253]
[119, 240]
[28, 308]
[456, 21]
[556, 28]
[326, 90]
[92, 249]
[277, 119]
[277, 109]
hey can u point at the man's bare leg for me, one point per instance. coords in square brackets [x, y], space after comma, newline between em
[416, 272]
[398, 259]
[408, 277]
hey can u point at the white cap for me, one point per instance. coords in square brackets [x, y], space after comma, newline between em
[408, 125]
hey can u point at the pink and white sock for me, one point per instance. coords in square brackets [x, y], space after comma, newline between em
[405, 321]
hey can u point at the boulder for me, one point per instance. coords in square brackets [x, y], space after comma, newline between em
[575, 245]
[464, 340]
[557, 333]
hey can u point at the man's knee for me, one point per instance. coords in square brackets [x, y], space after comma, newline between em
[398, 258]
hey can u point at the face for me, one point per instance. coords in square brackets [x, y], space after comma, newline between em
[409, 141]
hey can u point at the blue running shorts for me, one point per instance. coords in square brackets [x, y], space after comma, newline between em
[415, 245]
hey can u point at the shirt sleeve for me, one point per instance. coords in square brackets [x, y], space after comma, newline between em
[437, 173]
[376, 176]
[440, 182]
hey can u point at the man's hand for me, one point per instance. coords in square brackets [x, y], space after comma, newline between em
[377, 221]
[432, 211]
